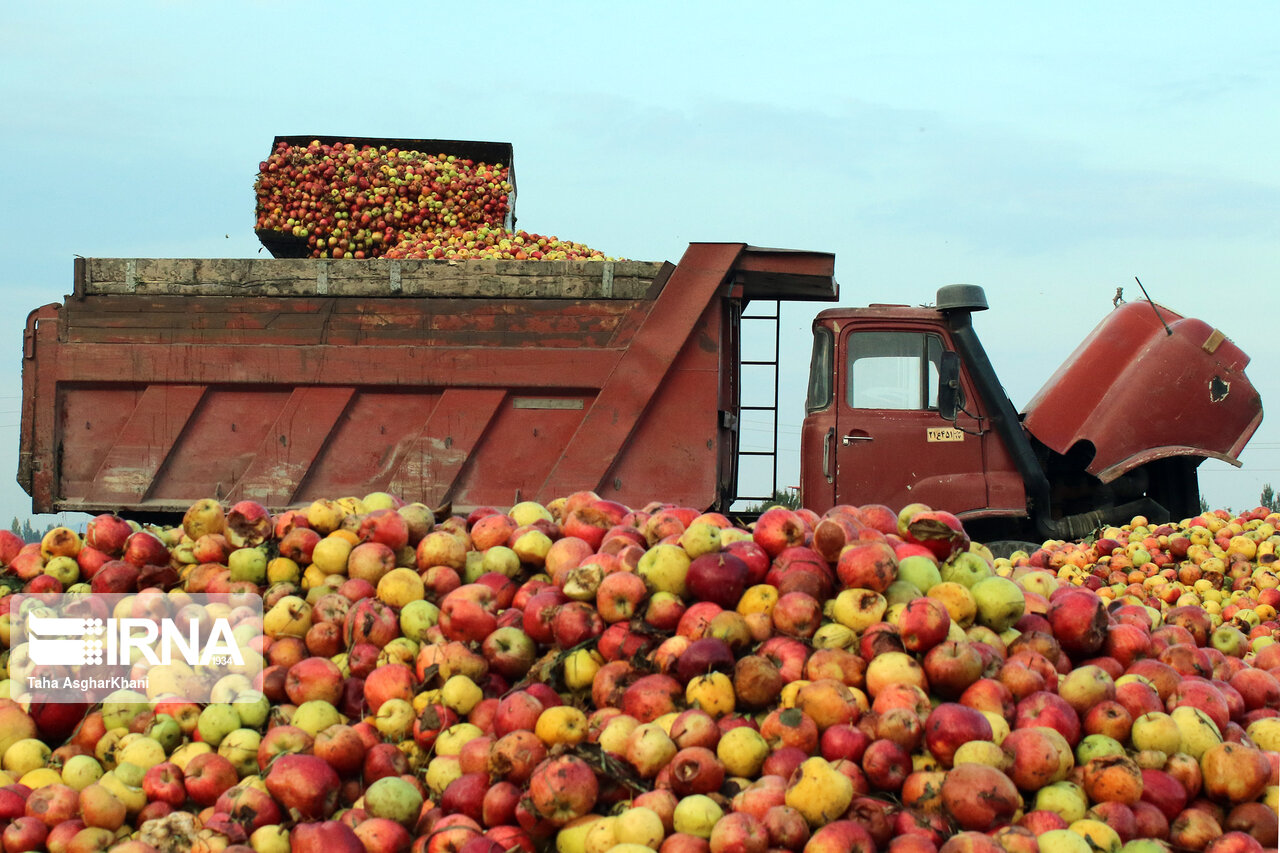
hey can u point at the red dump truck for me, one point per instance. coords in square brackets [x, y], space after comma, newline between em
[486, 382]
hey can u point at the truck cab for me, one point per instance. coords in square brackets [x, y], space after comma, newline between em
[903, 406]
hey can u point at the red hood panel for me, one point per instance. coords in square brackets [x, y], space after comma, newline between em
[1138, 392]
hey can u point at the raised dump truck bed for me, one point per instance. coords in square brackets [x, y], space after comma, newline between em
[479, 382]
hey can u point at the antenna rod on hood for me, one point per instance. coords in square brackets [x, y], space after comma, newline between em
[1167, 330]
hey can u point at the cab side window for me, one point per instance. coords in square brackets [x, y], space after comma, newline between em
[893, 370]
[820, 372]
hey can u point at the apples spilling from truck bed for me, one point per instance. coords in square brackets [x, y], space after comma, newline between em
[348, 201]
[588, 677]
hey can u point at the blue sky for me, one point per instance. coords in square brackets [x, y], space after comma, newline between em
[1047, 152]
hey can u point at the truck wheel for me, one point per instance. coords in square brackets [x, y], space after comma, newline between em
[1005, 547]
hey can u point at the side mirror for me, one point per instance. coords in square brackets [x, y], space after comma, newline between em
[948, 384]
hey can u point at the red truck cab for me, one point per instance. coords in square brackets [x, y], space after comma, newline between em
[903, 406]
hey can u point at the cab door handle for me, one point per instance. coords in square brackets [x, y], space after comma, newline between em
[826, 455]
[850, 439]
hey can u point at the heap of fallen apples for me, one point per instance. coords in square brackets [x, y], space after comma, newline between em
[587, 677]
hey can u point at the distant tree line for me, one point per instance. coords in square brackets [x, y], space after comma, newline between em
[24, 531]
[1269, 498]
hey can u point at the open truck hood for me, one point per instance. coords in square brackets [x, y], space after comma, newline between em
[1147, 384]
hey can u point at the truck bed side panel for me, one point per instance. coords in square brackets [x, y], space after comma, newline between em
[152, 400]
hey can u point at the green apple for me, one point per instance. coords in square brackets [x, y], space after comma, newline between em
[126, 774]
[1229, 640]
[316, 715]
[1156, 730]
[965, 568]
[81, 771]
[253, 708]
[500, 559]
[474, 567]
[188, 751]
[1000, 602]
[400, 650]
[1063, 841]
[1066, 799]
[1199, 731]
[394, 799]
[1095, 746]
[65, 569]
[216, 722]
[417, 617]
[120, 707]
[919, 571]
[527, 512]
[900, 592]
[241, 749]
[228, 687]
[441, 771]
[144, 752]
[697, 815]
[663, 568]
[290, 617]
[531, 546]
[1145, 845]
[243, 635]
[248, 564]
[379, 500]
[700, 538]
[165, 730]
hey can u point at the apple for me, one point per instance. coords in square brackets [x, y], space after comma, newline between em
[164, 783]
[563, 788]
[922, 624]
[717, 577]
[329, 835]
[1000, 602]
[395, 799]
[867, 565]
[206, 776]
[1234, 773]
[25, 833]
[703, 656]
[778, 528]
[950, 725]
[305, 785]
[1044, 708]
[1079, 621]
[979, 797]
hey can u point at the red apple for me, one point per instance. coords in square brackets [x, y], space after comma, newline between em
[563, 788]
[164, 783]
[305, 785]
[206, 776]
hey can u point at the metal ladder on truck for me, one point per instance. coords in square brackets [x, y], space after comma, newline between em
[771, 366]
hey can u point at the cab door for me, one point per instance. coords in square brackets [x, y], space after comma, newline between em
[891, 444]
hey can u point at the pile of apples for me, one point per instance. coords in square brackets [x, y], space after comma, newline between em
[484, 242]
[349, 201]
[592, 678]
